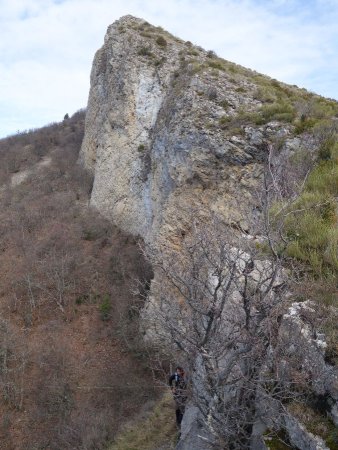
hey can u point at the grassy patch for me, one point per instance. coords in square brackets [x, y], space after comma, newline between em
[224, 120]
[240, 89]
[146, 34]
[316, 423]
[265, 95]
[280, 111]
[192, 52]
[195, 67]
[157, 429]
[305, 124]
[311, 224]
[224, 104]
[145, 51]
[161, 41]
[217, 64]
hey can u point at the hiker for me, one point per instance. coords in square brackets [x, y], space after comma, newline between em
[178, 386]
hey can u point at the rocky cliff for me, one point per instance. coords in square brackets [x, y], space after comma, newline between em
[171, 129]
[163, 131]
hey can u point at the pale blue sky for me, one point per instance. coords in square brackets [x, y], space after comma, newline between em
[47, 46]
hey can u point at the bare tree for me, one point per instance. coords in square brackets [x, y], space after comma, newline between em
[13, 361]
[218, 299]
[59, 270]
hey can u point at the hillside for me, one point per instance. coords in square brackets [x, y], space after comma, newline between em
[67, 378]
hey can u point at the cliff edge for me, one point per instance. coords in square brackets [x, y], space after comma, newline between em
[163, 131]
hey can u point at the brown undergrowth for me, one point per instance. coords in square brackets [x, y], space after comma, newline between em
[66, 378]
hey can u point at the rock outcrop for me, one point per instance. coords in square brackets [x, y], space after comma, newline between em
[156, 132]
[172, 129]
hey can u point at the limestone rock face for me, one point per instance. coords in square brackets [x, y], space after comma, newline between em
[155, 136]
[172, 130]
[193, 435]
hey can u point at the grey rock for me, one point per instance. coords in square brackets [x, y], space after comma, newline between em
[143, 96]
[334, 414]
[193, 435]
[302, 438]
[255, 136]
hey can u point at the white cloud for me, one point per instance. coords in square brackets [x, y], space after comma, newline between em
[47, 46]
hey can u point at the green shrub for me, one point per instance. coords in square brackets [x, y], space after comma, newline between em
[324, 179]
[280, 111]
[311, 224]
[89, 235]
[225, 104]
[328, 148]
[161, 41]
[145, 51]
[275, 83]
[235, 131]
[317, 109]
[265, 95]
[282, 90]
[309, 228]
[217, 64]
[211, 54]
[105, 307]
[241, 118]
[253, 117]
[322, 108]
[82, 299]
[192, 52]
[224, 120]
[330, 256]
[195, 67]
[232, 68]
[274, 443]
[146, 34]
[283, 112]
[305, 124]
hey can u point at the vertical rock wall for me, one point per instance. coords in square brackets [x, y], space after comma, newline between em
[153, 139]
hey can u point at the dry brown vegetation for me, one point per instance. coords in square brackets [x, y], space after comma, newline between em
[67, 379]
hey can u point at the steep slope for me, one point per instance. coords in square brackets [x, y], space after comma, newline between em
[67, 380]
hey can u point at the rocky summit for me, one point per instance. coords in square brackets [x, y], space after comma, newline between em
[165, 131]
